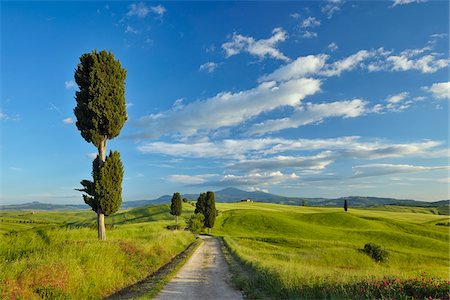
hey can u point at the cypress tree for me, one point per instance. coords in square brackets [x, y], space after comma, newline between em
[210, 211]
[101, 114]
[176, 206]
[345, 205]
[200, 205]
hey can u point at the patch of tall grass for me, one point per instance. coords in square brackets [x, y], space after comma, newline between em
[69, 262]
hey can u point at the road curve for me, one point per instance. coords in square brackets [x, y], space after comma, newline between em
[204, 276]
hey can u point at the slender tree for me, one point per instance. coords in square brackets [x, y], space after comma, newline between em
[200, 205]
[176, 206]
[101, 114]
[345, 205]
[210, 211]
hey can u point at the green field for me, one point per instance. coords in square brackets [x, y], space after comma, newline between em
[304, 252]
[57, 254]
[278, 251]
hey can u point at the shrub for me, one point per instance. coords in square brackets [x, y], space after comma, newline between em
[195, 223]
[376, 252]
[173, 227]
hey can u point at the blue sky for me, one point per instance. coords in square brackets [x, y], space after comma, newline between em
[313, 99]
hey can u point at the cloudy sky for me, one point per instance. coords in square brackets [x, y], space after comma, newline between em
[313, 99]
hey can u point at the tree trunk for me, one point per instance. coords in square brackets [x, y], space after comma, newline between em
[102, 152]
[100, 215]
[209, 230]
[101, 226]
[177, 222]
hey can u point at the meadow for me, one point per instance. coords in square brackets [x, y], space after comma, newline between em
[56, 255]
[316, 252]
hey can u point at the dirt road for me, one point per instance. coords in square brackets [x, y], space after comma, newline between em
[204, 276]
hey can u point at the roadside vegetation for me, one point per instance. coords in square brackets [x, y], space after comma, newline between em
[62, 258]
[309, 252]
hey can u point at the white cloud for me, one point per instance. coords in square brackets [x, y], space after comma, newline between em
[295, 16]
[70, 84]
[332, 7]
[6, 117]
[397, 98]
[308, 34]
[209, 67]
[347, 64]
[387, 169]
[191, 179]
[130, 29]
[252, 179]
[315, 162]
[310, 22]
[68, 121]
[312, 113]
[16, 169]
[440, 90]
[140, 10]
[261, 48]
[301, 67]
[92, 155]
[403, 2]
[333, 46]
[228, 109]
[158, 9]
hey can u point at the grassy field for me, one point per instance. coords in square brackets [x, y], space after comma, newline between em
[312, 252]
[57, 254]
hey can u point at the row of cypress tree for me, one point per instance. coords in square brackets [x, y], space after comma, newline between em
[206, 205]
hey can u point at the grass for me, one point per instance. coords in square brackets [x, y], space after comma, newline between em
[312, 252]
[62, 258]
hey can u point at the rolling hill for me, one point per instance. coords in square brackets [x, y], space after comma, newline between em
[228, 195]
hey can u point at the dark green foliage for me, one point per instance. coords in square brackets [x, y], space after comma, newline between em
[195, 223]
[185, 200]
[100, 110]
[345, 205]
[376, 252]
[200, 205]
[104, 194]
[210, 210]
[109, 185]
[176, 206]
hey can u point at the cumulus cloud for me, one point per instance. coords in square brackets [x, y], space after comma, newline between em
[261, 48]
[347, 64]
[191, 179]
[310, 22]
[252, 179]
[301, 67]
[130, 29]
[331, 7]
[312, 113]
[403, 2]
[332, 46]
[92, 155]
[228, 109]
[141, 10]
[440, 90]
[314, 162]
[68, 121]
[209, 67]
[70, 84]
[308, 34]
[387, 169]
[6, 117]
[397, 98]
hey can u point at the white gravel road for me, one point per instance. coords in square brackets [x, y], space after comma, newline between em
[204, 276]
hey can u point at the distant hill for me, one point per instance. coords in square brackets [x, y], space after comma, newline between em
[234, 195]
[41, 206]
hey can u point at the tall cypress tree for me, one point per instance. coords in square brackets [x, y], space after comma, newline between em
[101, 114]
[176, 206]
[200, 205]
[345, 205]
[210, 211]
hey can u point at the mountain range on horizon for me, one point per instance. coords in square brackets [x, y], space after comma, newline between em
[235, 195]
